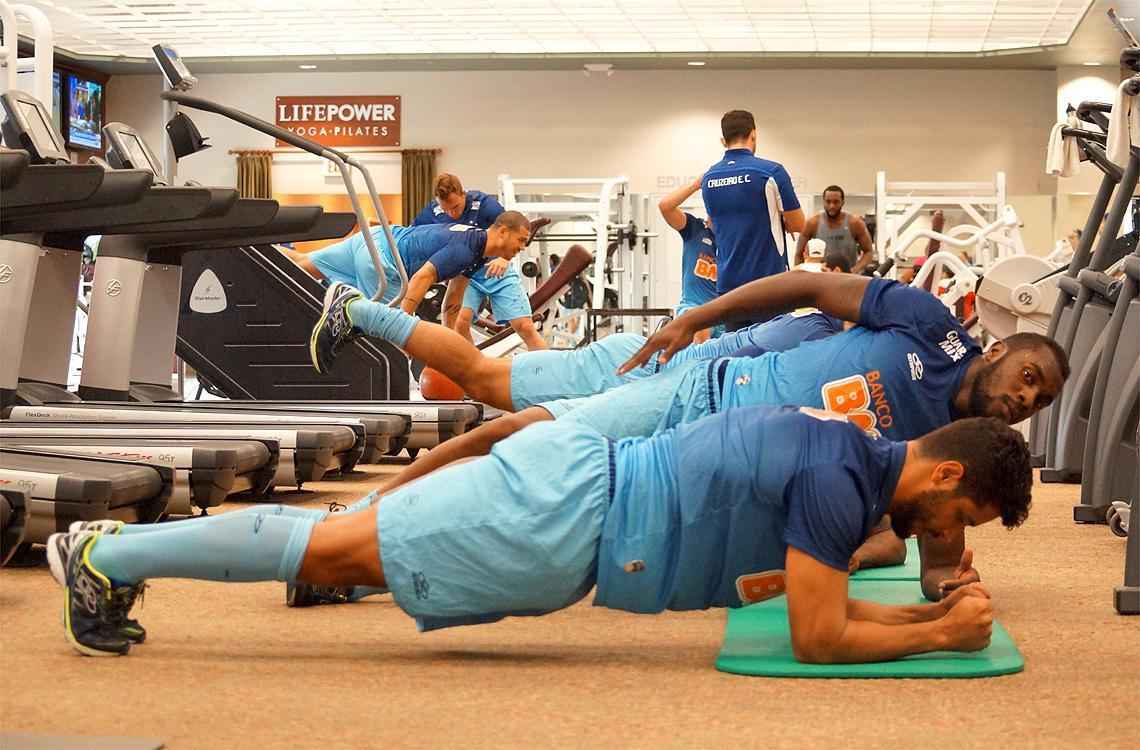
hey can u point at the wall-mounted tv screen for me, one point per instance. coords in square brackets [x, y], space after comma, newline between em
[84, 113]
[57, 100]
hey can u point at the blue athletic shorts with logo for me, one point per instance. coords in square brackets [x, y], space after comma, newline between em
[640, 409]
[508, 298]
[555, 374]
[683, 307]
[515, 533]
[349, 262]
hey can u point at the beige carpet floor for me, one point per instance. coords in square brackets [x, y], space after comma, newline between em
[232, 667]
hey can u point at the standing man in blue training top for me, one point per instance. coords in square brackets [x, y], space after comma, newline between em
[731, 510]
[430, 254]
[698, 254]
[498, 281]
[752, 203]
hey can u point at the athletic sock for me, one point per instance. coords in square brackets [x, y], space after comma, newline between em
[260, 546]
[131, 529]
[377, 319]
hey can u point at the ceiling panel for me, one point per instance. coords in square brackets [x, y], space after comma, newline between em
[307, 28]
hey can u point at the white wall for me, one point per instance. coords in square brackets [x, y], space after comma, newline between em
[1076, 84]
[660, 127]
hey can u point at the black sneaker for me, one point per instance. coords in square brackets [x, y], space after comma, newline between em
[334, 329]
[132, 630]
[304, 595]
[92, 610]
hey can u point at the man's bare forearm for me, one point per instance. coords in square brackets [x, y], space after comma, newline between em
[870, 641]
[881, 549]
[890, 614]
[838, 295]
[478, 442]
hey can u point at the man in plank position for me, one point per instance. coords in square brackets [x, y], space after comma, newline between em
[907, 369]
[721, 512]
[430, 254]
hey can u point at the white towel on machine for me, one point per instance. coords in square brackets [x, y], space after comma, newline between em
[1063, 156]
[1123, 128]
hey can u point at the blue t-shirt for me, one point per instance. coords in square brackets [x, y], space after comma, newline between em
[698, 263]
[480, 210]
[744, 196]
[779, 334]
[453, 250]
[703, 530]
[896, 374]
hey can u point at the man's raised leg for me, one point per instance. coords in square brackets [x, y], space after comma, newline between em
[483, 378]
[102, 570]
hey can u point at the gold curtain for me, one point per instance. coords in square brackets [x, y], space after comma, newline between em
[417, 173]
[255, 174]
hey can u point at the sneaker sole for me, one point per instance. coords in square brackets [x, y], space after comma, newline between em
[55, 560]
[326, 303]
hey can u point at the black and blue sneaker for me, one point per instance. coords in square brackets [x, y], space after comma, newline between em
[334, 329]
[304, 595]
[93, 607]
[132, 630]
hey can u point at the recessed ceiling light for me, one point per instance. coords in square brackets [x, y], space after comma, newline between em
[1092, 64]
[307, 67]
[696, 63]
[1127, 20]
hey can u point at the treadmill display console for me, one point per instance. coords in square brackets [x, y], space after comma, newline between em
[173, 69]
[27, 125]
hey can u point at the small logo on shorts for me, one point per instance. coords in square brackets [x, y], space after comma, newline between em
[744, 380]
[423, 588]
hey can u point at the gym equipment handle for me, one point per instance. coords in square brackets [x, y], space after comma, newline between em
[1100, 283]
[194, 102]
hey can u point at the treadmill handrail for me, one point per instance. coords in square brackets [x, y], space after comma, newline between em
[341, 159]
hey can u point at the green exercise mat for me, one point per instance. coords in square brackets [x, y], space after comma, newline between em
[911, 570]
[757, 642]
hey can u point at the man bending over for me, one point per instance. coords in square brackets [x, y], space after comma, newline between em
[769, 501]
[430, 254]
[497, 281]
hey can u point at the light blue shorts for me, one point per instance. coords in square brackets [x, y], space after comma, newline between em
[508, 298]
[682, 394]
[349, 262]
[683, 307]
[554, 374]
[515, 533]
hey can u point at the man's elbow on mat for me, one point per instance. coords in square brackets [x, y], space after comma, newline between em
[816, 645]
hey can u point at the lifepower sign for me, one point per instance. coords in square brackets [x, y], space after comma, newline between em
[342, 120]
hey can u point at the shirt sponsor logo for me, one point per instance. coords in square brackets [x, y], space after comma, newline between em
[915, 363]
[756, 587]
[953, 346]
[705, 267]
[863, 399]
[739, 179]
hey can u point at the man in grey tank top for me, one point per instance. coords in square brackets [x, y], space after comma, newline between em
[842, 232]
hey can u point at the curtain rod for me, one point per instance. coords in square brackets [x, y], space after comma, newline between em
[288, 150]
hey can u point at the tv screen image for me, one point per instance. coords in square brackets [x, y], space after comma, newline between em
[84, 113]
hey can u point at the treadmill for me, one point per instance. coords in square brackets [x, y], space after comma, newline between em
[63, 489]
[13, 518]
[54, 194]
[71, 226]
[206, 471]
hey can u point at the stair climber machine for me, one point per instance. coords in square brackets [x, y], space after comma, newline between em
[247, 310]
